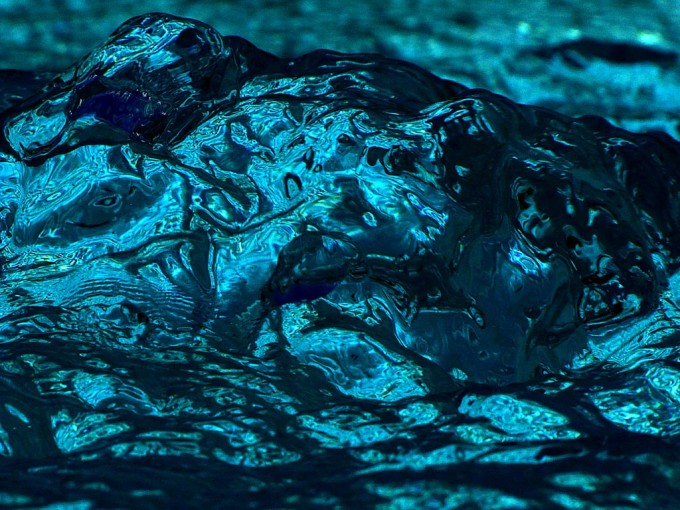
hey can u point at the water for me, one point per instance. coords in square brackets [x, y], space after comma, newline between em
[230, 279]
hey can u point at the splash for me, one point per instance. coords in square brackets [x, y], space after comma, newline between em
[330, 228]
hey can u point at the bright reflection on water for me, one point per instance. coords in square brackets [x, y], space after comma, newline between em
[230, 279]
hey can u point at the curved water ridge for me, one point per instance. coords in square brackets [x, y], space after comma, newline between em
[208, 252]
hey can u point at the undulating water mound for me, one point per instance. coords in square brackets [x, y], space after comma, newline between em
[331, 228]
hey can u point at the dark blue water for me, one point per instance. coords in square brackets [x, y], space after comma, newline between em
[233, 280]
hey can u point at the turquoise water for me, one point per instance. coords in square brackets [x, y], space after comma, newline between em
[230, 279]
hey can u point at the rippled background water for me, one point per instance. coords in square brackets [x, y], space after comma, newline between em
[148, 401]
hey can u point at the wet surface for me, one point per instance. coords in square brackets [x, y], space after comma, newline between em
[328, 279]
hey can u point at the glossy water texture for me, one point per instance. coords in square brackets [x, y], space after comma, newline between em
[228, 278]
